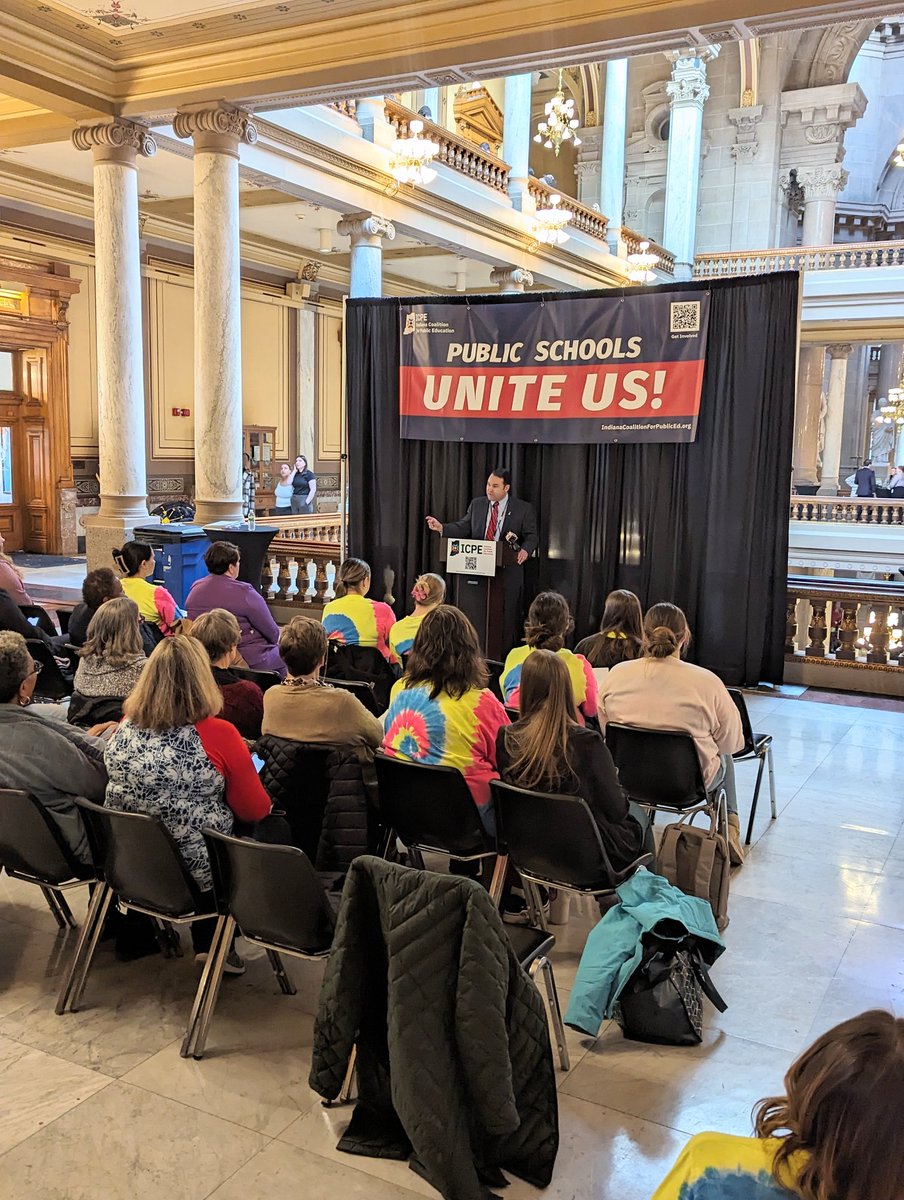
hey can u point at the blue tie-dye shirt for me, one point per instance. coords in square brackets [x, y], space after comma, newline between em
[717, 1166]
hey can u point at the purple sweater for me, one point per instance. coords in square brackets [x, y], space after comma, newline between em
[260, 633]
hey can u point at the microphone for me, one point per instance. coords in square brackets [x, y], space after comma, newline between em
[512, 539]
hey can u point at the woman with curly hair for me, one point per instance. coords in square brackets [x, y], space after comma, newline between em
[835, 1134]
[441, 711]
[548, 624]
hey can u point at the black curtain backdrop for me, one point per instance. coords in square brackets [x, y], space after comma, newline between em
[704, 525]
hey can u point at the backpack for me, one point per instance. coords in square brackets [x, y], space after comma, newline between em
[697, 861]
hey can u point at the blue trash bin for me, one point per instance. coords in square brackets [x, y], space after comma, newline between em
[179, 554]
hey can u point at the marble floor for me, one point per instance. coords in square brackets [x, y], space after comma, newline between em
[98, 1104]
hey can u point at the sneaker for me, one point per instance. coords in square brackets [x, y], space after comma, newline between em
[234, 965]
[516, 911]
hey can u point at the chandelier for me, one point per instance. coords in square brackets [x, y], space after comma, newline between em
[892, 411]
[899, 155]
[560, 120]
[642, 262]
[551, 222]
[412, 156]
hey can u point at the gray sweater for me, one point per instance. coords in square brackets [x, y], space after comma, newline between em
[55, 763]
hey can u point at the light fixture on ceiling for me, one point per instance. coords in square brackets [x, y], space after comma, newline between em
[560, 122]
[551, 222]
[892, 411]
[899, 155]
[642, 262]
[412, 156]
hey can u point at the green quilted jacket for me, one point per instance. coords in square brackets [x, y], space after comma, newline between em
[454, 1059]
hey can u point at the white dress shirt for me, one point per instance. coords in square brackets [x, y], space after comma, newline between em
[503, 505]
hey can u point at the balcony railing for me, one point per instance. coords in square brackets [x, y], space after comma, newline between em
[846, 510]
[790, 258]
[308, 527]
[455, 152]
[629, 243]
[587, 220]
[845, 622]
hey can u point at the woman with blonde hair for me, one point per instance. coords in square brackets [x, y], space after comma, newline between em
[110, 663]
[835, 1134]
[428, 593]
[548, 624]
[353, 620]
[661, 691]
[173, 757]
[219, 633]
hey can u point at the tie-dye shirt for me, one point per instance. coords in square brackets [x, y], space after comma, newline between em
[354, 620]
[447, 732]
[155, 604]
[402, 634]
[717, 1166]
[583, 681]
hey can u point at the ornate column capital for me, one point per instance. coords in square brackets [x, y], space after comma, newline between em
[822, 183]
[839, 350]
[218, 127]
[511, 279]
[745, 121]
[116, 140]
[365, 227]
[688, 84]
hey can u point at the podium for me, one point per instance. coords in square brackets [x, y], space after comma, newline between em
[488, 579]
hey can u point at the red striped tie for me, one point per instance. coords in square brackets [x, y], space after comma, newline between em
[493, 522]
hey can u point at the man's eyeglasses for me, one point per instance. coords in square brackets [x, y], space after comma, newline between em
[36, 667]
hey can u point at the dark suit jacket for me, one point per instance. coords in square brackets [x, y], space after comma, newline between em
[519, 518]
[865, 481]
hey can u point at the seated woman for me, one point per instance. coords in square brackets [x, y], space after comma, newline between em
[156, 606]
[353, 620]
[51, 760]
[621, 633]
[441, 711]
[546, 628]
[110, 664]
[11, 578]
[429, 592]
[243, 701]
[99, 587]
[305, 709]
[660, 691]
[223, 589]
[174, 758]
[835, 1134]
[548, 750]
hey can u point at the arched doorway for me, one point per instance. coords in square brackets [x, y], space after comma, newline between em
[37, 491]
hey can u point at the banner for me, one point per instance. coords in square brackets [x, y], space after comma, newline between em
[582, 369]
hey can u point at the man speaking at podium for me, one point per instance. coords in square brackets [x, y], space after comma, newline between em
[501, 517]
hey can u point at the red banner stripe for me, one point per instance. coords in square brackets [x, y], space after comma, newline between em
[637, 391]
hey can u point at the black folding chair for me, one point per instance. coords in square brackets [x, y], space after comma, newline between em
[495, 669]
[263, 679]
[660, 770]
[51, 683]
[431, 809]
[274, 896]
[33, 849]
[365, 692]
[44, 620]
[756, 746]
[142, 868]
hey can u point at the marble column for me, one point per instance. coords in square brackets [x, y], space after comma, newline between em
[115, 146]
[831, 446]
[216, 131]
[370, 113]
[511, 279]
[810, 371]
[821, 187]
[615, 123]
[890, 365]
[516, 137]
[307, 382]
[687, 92]
[366, 232]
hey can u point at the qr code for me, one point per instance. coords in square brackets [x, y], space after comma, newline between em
[685, 317]
[471, 562]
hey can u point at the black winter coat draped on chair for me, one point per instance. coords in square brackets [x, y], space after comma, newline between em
[454, 1058]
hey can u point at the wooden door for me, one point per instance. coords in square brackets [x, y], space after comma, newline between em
[26, 482]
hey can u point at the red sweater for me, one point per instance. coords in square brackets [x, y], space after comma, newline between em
[224, 747]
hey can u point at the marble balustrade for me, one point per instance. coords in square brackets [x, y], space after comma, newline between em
[844, 621]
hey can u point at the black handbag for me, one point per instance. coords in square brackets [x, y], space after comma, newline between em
[662, 1002]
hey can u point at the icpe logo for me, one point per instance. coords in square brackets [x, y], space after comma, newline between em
[415, 322]
[453, 548]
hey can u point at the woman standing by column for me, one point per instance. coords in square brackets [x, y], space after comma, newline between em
[304, 487]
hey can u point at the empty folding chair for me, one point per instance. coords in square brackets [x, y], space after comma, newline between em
[758, 746]
[142, 868]
[275, 898]
[33, 849]
[263, 679]
[365, 692]
[431, 809]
